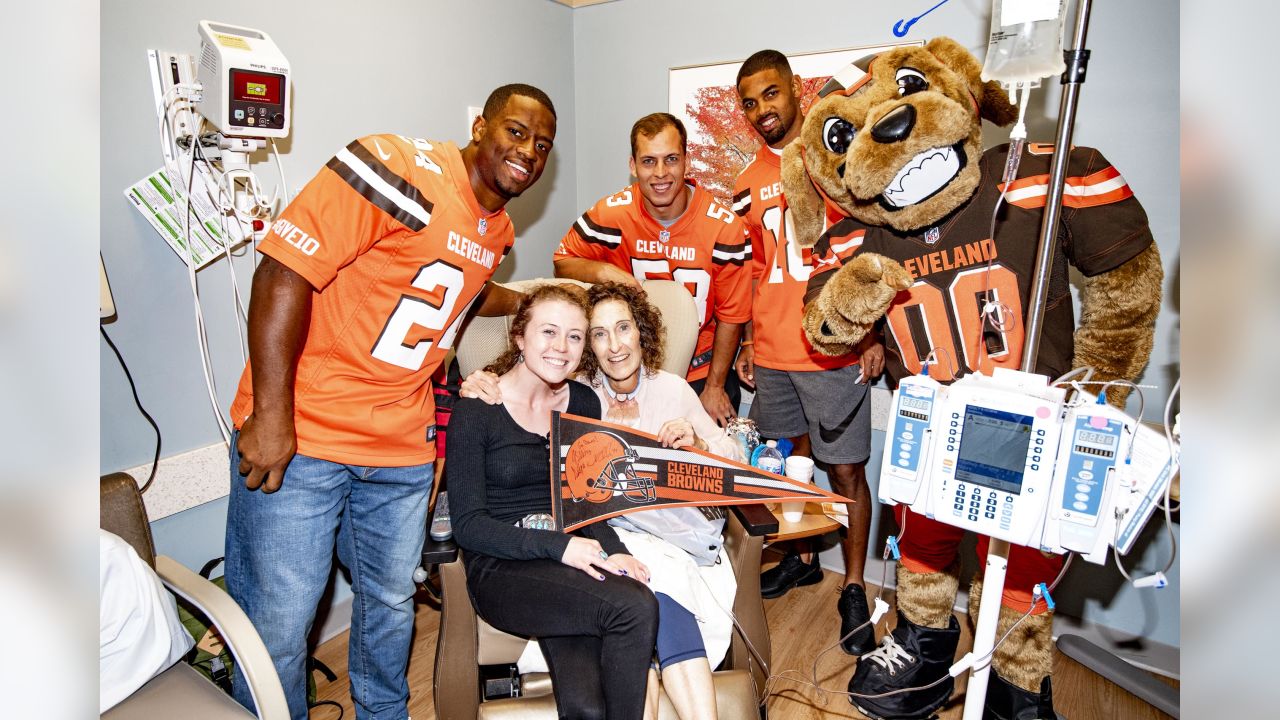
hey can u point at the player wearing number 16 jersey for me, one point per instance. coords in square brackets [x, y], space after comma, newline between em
[667, 227]
[821, 402]
[366, 278]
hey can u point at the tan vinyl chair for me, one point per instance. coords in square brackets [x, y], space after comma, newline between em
[466, 642]
[180, 691]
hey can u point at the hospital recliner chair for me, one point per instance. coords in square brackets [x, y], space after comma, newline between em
[467, 642]
[180, 691]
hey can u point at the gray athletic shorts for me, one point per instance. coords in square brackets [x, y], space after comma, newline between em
[830, 405]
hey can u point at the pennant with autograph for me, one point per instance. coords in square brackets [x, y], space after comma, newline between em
[601, 470]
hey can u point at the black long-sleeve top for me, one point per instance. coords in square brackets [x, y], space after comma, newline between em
[498, 472]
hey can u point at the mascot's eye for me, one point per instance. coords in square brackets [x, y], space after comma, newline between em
[837, 134]
[911, 81]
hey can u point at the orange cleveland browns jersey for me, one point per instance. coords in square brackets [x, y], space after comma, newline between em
[705, 250]
[391, 237]
[781, 270]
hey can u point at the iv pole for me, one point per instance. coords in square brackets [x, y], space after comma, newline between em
[1077, 59]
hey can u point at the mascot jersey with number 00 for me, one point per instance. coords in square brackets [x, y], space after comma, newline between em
[890, 181]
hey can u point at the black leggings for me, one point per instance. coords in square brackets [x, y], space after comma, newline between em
[598, 637]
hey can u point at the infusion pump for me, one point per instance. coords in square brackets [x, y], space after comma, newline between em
[1010, 457]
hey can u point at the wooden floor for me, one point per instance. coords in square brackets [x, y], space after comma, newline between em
[802, 623]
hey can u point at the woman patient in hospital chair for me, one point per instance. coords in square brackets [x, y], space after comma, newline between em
[626, 339]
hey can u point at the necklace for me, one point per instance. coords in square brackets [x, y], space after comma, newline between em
[623, 396]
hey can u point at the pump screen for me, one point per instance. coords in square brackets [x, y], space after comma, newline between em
[993, 448]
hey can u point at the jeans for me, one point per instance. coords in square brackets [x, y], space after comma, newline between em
[280, 551]
[597, 637]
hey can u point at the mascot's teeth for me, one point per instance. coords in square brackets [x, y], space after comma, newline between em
[923, 175]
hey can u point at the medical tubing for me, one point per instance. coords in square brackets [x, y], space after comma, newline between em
[201, 338]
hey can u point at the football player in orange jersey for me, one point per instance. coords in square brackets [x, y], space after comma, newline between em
[665, 226]
[365, 280]
[821, 402]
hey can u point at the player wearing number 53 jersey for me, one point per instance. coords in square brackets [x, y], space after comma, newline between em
[667, 227]
[366, 278]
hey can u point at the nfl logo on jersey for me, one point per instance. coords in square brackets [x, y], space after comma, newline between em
[664, 236]
[483, 227]
[930, 236]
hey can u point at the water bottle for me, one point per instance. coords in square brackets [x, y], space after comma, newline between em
[767, 458]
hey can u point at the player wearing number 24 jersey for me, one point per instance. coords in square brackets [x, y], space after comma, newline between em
[705, 250]
[365, 279]
[397, 247]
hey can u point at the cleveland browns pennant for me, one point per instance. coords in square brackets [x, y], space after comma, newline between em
[601, 470]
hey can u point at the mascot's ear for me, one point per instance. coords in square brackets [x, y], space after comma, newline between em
[993, 101]
[802, 197]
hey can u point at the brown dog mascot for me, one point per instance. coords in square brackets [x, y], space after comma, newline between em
[889, 185]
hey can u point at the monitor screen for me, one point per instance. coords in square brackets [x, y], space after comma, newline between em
[993, 448]
[256, 87]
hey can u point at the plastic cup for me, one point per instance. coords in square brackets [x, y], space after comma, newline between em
[800, 469]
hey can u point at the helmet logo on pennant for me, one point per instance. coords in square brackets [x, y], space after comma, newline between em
[600, 465]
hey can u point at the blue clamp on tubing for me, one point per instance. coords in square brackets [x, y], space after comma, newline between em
[1044, 591]
[892, 542]
[1102, 397]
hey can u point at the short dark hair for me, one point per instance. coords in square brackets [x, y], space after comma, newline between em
[499, 97]
[763, 60]
[652, 124]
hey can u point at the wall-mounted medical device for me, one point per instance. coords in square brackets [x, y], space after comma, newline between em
[1008, 456]
[246, 81]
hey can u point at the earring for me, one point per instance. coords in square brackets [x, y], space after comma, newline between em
[519, 358]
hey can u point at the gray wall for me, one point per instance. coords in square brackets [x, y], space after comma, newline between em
[412, 67]
[1128, 108]
[398, 66]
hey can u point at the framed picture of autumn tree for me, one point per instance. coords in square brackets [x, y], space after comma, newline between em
[721, 143]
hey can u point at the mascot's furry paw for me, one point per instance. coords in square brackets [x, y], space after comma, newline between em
[1026, 657]
[856, 296]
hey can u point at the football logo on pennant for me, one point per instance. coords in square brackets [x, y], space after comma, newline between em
[601, 466]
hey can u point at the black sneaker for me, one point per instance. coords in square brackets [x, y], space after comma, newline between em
[1006, 701]
[911, 657]
[791, 572]
[853, 610]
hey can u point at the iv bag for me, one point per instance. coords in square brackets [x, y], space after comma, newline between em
[1026, 41]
